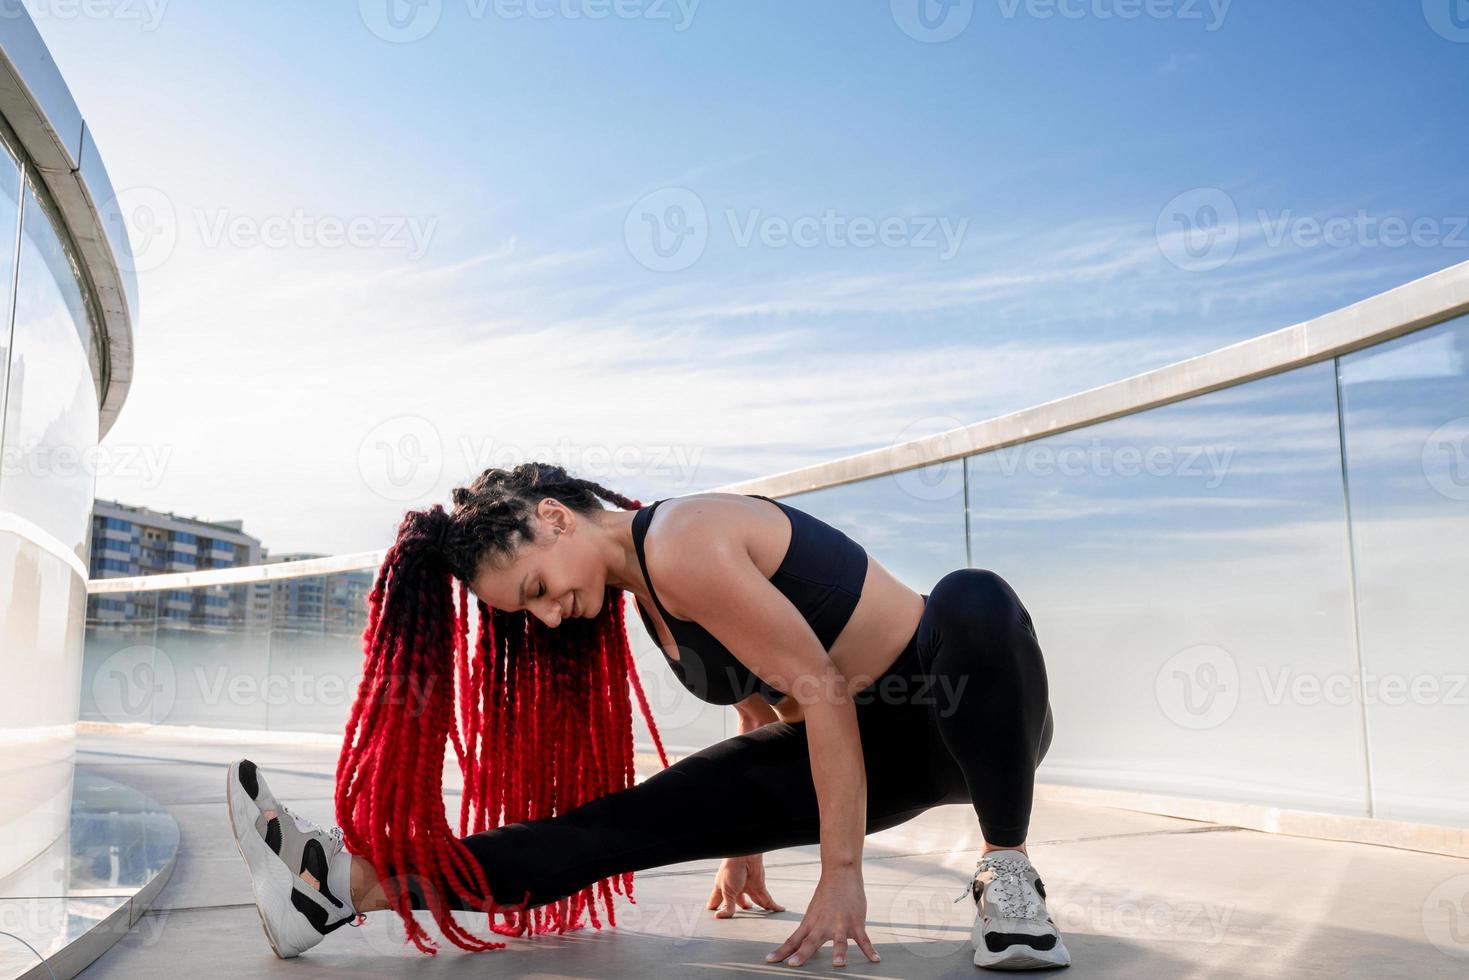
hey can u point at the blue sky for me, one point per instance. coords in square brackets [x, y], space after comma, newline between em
[1066, 194]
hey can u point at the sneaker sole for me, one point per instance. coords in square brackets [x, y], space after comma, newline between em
[270, 879]
[1022, 957]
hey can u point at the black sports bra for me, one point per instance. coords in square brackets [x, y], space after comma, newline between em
[822, 575]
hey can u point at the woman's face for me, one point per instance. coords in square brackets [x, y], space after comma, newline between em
[555, 577]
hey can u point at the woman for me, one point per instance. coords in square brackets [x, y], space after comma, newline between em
[861, 705]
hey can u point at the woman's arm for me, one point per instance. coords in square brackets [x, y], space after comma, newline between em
[837, 768]
[718, 586]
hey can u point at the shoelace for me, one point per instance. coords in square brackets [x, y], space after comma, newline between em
[1008, 889]
[308, 826]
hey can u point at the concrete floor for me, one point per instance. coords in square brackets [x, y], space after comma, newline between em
[1136, 895]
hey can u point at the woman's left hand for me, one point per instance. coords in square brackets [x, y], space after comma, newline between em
[837, 913]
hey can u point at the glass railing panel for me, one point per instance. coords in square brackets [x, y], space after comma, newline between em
[1405, 408]
[1186, 568]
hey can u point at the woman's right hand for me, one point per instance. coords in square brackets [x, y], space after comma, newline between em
[740, 882]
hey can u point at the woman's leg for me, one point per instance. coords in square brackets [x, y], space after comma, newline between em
[990, 695]
[744, 795]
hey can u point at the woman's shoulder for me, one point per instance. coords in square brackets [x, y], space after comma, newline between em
[707, 512]
[690, 528]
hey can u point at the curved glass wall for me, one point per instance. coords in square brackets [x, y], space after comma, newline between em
[49, 371]
[51, 404]
[10, 180]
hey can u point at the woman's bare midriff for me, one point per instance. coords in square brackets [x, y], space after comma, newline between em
[887, 612]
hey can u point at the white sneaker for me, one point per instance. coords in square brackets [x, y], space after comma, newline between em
[1012, 929]
[301, 876]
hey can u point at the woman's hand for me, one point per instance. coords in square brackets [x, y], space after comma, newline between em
[837, 912]
[739, 881]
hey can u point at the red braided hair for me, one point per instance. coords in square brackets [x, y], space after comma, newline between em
[540, 720]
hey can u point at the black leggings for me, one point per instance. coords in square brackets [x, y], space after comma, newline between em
[962, 716]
